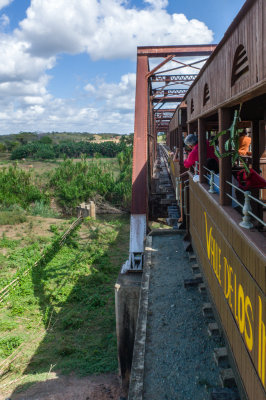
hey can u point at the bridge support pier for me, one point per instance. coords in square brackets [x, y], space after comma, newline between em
[127, 291]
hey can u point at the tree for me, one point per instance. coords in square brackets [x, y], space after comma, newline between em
[46, 140]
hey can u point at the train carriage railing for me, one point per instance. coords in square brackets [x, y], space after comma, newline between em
[246, 208]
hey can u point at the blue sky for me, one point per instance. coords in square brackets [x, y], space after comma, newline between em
[69, 65]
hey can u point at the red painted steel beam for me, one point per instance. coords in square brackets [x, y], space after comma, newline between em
[139, 203]
[165, 110]
[181, 51]
[167, 92]
[169, 58]
[172, 99]
[174, 78]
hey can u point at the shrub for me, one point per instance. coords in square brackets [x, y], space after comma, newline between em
[8, 345]
[12, 217]
[16, 188]
[42, 209]
[74, 183]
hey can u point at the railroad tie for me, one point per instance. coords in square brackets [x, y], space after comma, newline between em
[207, 310]
[213, 329]
[202, 288]
[192, 282]
[195, 268]
[224, 394]
[220, 356]
[192, 257]
[227, 378]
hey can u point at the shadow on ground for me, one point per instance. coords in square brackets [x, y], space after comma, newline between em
[80, 337]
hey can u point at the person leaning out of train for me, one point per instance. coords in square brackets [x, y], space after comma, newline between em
[244, 142]
[191, 141]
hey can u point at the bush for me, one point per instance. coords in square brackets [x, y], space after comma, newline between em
[16, 188]
[8, 345]
[43, 210]
[74, 183]
[12, 217]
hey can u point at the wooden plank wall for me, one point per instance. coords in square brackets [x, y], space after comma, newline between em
[174, 121]
[235, 272]
[251, 33]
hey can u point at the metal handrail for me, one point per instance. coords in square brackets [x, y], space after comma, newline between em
[246, 207]
[214, 184]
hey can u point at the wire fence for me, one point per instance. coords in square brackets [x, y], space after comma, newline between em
[4, 292]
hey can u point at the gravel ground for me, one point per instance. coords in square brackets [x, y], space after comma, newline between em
[179, 352]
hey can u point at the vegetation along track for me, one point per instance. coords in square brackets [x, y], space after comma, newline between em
[4, 292]
[59, 318]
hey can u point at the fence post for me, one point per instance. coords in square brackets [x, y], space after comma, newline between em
[92, 210]
[211, 190]
[246, 217]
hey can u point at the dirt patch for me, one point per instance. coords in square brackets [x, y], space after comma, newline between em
[34, 226]
[102, 387]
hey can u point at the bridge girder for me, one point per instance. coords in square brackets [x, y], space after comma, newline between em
[151, 118]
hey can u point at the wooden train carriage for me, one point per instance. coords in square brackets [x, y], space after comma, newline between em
[233, 258]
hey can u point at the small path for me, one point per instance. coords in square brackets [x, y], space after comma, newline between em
[179, 353]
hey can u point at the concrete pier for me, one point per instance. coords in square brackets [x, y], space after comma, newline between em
[127, 290]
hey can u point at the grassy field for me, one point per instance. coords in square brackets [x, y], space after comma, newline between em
[42, 169]
[61, 316]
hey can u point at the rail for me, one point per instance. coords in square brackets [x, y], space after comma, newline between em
[211, 180]
[246, 207]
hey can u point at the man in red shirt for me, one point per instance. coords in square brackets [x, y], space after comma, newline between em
[192, 142]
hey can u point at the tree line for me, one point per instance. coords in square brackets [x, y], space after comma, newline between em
[41, 151]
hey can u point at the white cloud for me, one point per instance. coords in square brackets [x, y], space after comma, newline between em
[106, 29]
[4, 3]
[4, 21]
[119, 96]
[90, 88]
[19, 64]
[157, 3]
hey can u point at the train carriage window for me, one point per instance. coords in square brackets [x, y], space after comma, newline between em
[206, 94]
[240, 64]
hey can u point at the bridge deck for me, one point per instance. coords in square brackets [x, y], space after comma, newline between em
[178, 359]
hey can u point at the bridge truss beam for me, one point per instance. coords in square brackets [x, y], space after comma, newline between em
[152, 117]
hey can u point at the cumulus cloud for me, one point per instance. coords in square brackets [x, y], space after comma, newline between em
[4, 3]
[117, 96]
[4, 21]
[157, 3]
[106, 29]
[19, 64]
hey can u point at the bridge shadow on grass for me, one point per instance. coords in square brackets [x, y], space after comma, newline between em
[77, 304]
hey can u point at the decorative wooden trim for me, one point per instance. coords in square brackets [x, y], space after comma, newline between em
[206, 94]
[192, 106]
[240, 64]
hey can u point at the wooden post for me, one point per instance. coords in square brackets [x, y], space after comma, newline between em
[202, 148]
[180, 146]
[225, 168]
[256, 146]
[92, 210]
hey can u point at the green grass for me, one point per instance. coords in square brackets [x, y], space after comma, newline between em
[63, 312]
[12, 217]
[43, 210]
